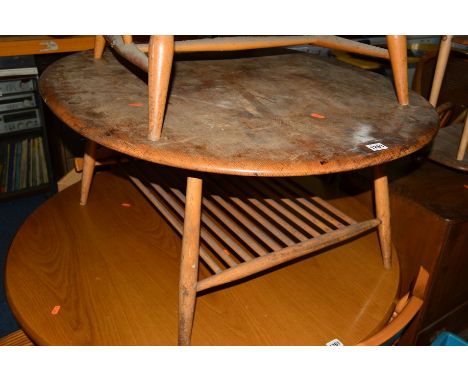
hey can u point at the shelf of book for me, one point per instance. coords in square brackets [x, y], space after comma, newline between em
[24, 156]
[22, 164]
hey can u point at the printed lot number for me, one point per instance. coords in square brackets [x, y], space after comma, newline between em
[377, 146]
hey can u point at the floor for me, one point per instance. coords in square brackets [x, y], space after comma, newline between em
[12, 215]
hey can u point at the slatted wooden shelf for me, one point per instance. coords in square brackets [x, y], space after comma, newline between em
[248, 224]
[18, 338]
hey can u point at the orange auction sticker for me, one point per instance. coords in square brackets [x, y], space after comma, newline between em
[316, 115]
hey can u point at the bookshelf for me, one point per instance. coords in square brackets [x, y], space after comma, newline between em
[25, 166]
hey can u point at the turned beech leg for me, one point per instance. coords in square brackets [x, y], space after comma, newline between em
[398, 58]
[189, 259]
[382, 207]
[89, 162]
[463, 142]
[160, 55]
[99, 45]
[442, 59]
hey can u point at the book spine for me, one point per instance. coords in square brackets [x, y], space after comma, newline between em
[18, 165]
[23, 167]
[38, 160]
[11, 168]
[29, 163]
[7, 164]
[45, 175]
[33, 162]
[3, 165]
[39, 163]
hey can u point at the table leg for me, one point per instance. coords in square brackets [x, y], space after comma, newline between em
[399, 60]
[160, 56]
[89, 162]
[382, 207]
[463, 141]
[99, 45]
[442, 59]
[189, 259]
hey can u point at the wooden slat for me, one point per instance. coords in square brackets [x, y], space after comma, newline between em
[290, 253]
[270, 213]
[273, 193]
[285, 185]
[251, 212]
[206, 236]
[329, 207]
[231, 224]
[293, 200]
[17, 338]
[174, 221]
[214, 226]
[279, 208]
[211, 240]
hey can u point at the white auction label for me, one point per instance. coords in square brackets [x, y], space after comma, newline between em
[335, 342]
[377, 146]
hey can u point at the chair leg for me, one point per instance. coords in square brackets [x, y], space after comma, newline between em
[463, 141]
[89, 162]
[160, 56]
[189, 259]
[382, 207]
[99, 45]
[398, 58]
[442, 59]
[127, 39]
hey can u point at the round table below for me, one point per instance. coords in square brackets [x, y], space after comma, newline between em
[278, 115]
[107, 274]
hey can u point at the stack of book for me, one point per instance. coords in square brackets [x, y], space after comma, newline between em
[22, 164]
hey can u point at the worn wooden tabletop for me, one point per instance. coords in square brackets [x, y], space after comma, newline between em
[276, 115]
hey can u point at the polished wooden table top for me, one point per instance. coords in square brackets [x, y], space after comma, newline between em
[276, 115]
[113, 268]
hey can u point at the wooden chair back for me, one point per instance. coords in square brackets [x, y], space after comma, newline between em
[442, 60]
[161, 50]
[405, 310]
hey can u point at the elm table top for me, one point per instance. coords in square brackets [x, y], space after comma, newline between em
[245, 116]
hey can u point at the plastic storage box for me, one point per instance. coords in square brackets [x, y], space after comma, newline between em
[449, 339]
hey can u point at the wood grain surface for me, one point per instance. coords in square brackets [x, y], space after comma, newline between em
[277, 115]
[113, 266]
[17, 338]
[445, 147]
